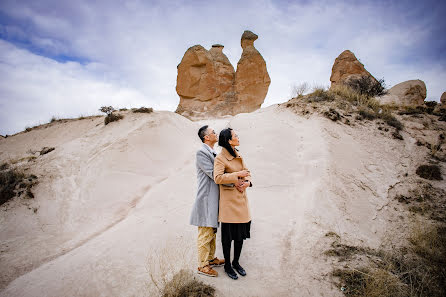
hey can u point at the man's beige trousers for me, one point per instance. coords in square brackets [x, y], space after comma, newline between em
[206, 245]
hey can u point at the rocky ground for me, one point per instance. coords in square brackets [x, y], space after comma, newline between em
[112, 203]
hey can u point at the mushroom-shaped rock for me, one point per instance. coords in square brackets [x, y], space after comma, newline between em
[251, 78]
[443, 98]
[346, 67]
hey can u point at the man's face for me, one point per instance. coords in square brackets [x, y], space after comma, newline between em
[211, 135]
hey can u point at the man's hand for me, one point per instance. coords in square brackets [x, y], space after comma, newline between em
[241, 185]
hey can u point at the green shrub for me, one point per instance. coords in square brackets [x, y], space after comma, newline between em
[367, 86]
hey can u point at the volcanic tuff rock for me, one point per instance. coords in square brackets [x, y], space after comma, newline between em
[443, 98]
[347, 67]
[208, 85]
[251, 79]
[411, 92]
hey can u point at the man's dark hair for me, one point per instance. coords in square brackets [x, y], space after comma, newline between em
[202, 132]
[223, 140]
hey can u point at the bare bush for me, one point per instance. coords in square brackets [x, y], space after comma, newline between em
[299, 90]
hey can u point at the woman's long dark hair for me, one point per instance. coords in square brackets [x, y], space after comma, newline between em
[223, 140]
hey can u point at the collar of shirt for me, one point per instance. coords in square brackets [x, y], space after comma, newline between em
[212, 150]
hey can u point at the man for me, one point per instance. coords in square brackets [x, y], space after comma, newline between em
[205, 209]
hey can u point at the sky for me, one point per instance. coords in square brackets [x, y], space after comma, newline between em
[68, 58]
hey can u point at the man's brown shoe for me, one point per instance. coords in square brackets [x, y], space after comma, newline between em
[207, 270]
[217, 262]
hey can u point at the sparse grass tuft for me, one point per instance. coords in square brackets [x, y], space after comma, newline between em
[143, 110]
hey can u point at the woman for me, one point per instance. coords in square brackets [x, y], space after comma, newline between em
[232, 176]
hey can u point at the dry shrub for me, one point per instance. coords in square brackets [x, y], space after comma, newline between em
[112, 118]
[431, 172]
[367, 86]
[387, 117]
[9, 179]
[169, 272]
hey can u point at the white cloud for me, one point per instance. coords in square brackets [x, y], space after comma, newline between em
[132, 49]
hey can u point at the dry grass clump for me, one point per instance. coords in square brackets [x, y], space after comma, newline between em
[9, 179]
[320, 94]
[184, 284]
[13, 182]
[431, 172]
[369, 282]
[417, 270]
[169, 272]
[143, 110]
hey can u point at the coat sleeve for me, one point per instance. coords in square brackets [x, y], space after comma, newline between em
[205, 164]
[220, 177]
[248, 178]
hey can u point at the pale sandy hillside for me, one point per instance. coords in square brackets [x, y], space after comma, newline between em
[113, 200]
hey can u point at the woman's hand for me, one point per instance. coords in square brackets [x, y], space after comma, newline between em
[243, 173]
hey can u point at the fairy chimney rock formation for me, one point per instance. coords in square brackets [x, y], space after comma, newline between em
[346, 67]
[251, 78]
[208, 85]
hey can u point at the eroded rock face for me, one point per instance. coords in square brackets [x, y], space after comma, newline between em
[196, 80]
[251, 79]
[411, 92]
[346, 67]
[443, 98]
[208, 86]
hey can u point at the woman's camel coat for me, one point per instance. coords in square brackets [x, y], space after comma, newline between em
[233, 206]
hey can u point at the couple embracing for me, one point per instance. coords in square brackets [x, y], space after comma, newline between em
[221, 198]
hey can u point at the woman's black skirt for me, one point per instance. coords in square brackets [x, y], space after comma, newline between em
[235, 231]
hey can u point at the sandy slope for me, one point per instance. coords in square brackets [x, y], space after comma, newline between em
[110, 197]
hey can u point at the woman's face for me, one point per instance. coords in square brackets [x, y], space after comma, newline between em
[234, 141]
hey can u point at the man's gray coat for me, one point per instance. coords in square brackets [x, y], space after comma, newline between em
[205, 210]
